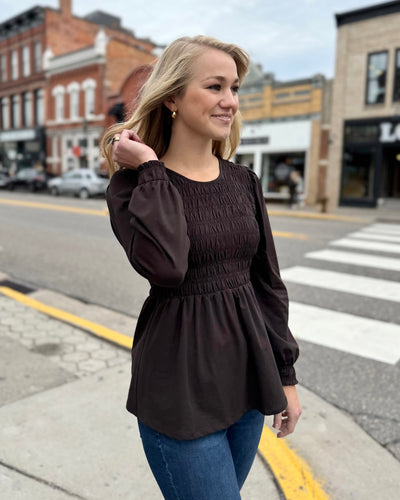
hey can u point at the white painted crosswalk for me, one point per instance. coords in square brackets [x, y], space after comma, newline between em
[365, 260]
[351, 333]
[375, 236]
[367, 245]
[364, 337]
[344, 282]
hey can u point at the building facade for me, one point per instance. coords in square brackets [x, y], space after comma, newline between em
[59, 75]
[79, 101]
[283, 124]
[364, 152]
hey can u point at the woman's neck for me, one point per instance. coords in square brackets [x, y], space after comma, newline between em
[193, 159]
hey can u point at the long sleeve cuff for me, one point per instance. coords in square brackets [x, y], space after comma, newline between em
[288, 375]
[152, 170]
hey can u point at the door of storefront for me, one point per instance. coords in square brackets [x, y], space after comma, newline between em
[390, 177]
[371, 161]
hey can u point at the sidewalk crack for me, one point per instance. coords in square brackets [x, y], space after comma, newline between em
[41, 480]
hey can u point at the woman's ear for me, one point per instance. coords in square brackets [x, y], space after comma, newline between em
[170, 103]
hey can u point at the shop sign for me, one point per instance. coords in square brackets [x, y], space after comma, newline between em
[390, 132]
[254, 140]
[17, 135]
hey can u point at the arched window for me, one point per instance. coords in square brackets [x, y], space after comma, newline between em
[89, 86]
[39, 107]
[27, 109]
[73, 90]
[5, 113]
[58, 94]
[16, 111]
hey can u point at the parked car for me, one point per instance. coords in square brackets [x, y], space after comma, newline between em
[28, 178]
[81, 182]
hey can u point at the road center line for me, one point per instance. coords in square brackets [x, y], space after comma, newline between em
[60, 208]
[104, 213]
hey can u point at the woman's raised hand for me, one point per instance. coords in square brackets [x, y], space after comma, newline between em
[129, 151]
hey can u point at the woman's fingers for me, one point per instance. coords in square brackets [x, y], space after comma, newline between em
[277, 421]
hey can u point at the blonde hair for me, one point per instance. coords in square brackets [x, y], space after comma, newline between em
[173, 71]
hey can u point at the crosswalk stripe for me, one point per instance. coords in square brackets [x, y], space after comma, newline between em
[368, 338]
[367, 245]
[343, 282]
[393, 229]
[372, 236]
[356, 259]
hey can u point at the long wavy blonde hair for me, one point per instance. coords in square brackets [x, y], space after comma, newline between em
[171, 74]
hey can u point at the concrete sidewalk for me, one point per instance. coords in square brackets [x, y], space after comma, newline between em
[388, 212]
[65, 433]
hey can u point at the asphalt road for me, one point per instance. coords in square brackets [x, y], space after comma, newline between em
[77, 254]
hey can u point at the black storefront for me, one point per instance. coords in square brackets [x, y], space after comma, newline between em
[371, 161]
[22, 148]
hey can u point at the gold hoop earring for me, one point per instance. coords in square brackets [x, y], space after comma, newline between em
[173, 115]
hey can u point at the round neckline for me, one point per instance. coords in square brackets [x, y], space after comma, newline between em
[200, 182]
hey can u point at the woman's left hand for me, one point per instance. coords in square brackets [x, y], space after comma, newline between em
[286, 421]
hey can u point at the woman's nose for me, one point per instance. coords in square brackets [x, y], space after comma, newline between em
[229, 100]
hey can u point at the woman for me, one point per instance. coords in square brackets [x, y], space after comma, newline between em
[212, 351]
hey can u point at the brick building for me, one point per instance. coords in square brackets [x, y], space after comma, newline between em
[364, 154]
[285, 123]
[59, 76]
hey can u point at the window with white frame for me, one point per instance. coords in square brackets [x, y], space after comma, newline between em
[58, 94]
[39, 107]
[38, 56]
[73, 90]
[14, 64]
[89, 86]
[376, 77]
[26, 60]
[5, 113]
[3, 69]
[16, 111]
[27, 109]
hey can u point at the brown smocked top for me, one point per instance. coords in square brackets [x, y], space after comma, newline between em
[212, 340]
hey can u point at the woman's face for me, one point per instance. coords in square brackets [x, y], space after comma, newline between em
[211, 99]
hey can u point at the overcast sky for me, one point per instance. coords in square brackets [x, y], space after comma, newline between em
[291, 38]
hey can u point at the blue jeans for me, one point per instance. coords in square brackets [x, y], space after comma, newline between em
[213, 467]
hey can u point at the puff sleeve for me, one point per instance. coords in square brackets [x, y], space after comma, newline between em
[271, 293]
[147, 217]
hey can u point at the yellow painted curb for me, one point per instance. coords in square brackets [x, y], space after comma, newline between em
[60, 208]
[292, 473]
[311, 215]
[100, 331]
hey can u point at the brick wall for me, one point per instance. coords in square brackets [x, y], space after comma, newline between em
[121, 60]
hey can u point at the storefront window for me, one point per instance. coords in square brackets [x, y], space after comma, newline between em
[358, 173]
[376, 77]
[277, 170]
[245, 159]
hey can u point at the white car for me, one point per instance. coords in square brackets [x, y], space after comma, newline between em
[81, 182]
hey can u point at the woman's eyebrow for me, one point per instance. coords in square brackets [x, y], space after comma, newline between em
[220, 78]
